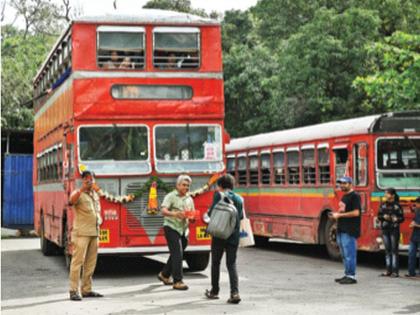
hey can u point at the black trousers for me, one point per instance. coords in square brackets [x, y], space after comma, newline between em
[177, 244]
[218, 247]
[391, 241]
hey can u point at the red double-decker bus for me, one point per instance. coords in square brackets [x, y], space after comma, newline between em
[136, 99]
[288, 178]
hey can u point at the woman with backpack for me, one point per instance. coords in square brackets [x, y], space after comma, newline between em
[223, 198]
[390, 216]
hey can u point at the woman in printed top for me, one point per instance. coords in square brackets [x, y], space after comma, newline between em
[390, 217]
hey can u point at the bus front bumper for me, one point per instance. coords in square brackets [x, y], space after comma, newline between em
[148, 250]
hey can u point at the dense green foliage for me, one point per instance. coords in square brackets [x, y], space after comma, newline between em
[287, 63]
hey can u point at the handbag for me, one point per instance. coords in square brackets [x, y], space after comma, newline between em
[246, 237]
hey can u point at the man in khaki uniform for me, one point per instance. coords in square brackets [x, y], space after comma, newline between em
[85, 233]
[84, 238]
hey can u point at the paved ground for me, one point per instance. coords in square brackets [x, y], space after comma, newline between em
[278, 279]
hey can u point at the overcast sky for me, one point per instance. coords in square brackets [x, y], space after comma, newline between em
[95, 7]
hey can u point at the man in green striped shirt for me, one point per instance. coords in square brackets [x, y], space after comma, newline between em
[175, 225]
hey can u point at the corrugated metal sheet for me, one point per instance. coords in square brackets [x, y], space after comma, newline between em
[18, 203]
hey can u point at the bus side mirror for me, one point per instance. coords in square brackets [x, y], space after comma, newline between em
[226, 137]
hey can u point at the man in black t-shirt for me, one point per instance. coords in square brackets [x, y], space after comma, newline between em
[348, 229]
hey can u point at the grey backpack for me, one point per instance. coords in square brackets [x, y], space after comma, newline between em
[223, 218]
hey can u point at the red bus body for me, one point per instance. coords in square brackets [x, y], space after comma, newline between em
[290, 200]
[85, 99]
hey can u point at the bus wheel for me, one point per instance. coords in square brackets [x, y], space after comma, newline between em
[197, 261]
[261, 241]
[331, 240]
[48, 248]
[67, 256]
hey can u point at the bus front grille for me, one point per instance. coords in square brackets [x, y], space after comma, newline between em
[138, 211]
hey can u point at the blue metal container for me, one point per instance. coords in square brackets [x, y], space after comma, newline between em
[18, 201]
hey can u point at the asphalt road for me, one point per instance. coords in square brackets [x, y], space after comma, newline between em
[277, 279]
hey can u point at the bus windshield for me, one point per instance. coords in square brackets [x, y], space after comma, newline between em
[101, 146]
[193, 148]
[398, 162]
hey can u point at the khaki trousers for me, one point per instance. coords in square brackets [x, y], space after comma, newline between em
[85, 251]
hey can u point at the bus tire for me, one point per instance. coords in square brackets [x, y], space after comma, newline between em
[197, 261]
[67, 256]
[261, 241]
[48, 248]
[330, 236]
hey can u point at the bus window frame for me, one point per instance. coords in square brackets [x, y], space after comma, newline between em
[238, 157]
[260, 179]
[293, 148]
[200, 48]
[376, 176]
[324, 146]
[148, 161]
[222, 159]
[250, 155]
[355, 166]
[308, 147]
[273, 152]
[116, 27]
[231, 156]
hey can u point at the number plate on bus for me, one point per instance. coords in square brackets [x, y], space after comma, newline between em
[103, 236]
[201, 233]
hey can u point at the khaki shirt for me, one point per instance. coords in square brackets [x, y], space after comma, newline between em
[174, 202]
[86, 211]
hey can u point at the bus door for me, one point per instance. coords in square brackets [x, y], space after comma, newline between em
[341, 167]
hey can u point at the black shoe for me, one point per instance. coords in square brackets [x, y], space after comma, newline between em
[210, 295]
[234, 299]
[348, 280]
[408, 275]
[75, 296]
[339, 279]
[92, 294]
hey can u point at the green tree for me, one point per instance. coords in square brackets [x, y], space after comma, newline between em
[21, 57]
[249, 84]
[237, 29]
[175, 5]
[393, 83]
[319, 64]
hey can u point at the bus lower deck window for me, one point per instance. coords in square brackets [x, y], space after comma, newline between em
[231, 164]
[323, 166]
[293, 167]
[265, 169]
[279, 174]
[242, 171]
[253, 170]
[308, 163]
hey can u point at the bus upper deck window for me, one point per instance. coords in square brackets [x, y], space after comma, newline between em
[120, 48]
[176, 48]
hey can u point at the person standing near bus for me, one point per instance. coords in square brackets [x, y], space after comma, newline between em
[175, 226]
[348, 229]
[84, 237]
[225, 186]
[390, 216]
[414, 242]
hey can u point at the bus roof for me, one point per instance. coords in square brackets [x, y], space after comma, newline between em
[148, 16]
[340, 128]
